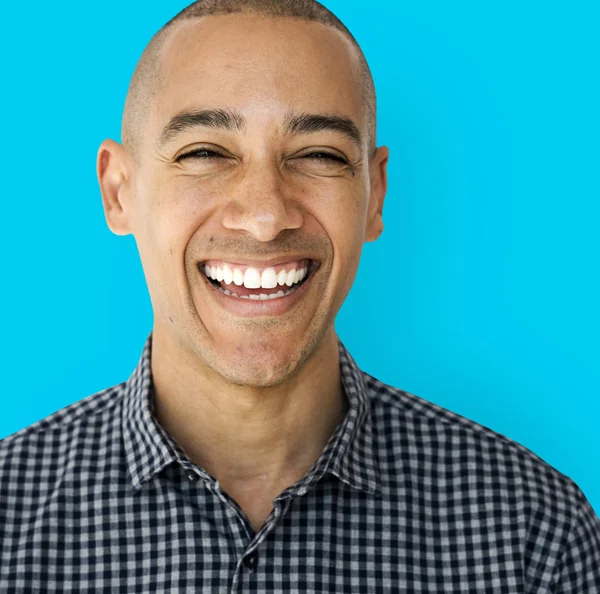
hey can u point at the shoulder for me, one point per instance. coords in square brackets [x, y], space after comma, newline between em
[462, 449]
[454, 472]
[58, 432]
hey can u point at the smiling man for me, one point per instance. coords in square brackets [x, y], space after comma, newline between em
[247, 452]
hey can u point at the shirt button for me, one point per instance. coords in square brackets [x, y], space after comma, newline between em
[192, 476]
[251, 561]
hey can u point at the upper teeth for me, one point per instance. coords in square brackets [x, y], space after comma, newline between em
[254, 278]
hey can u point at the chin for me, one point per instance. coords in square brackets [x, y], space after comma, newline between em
[260, 374]
[259, 364]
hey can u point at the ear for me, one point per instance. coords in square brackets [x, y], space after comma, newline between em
[115, 171]
[378, 176]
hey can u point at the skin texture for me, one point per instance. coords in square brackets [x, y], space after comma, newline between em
[253, 401]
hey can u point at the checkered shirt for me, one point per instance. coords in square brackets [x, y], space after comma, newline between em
[406, 497]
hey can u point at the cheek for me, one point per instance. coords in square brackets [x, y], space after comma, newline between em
[169, 217]
[178, 210]
[344, 220]
[341, 216]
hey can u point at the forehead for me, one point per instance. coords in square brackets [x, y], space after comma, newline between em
[263, 66]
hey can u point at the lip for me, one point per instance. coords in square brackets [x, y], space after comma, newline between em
[271, 263]
[265, 308]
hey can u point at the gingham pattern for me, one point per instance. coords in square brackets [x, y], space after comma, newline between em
[406, 497]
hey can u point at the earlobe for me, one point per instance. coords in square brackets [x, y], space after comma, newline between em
[375, 228]
[113, 178]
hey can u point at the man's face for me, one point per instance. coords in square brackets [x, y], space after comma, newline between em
[256, 195]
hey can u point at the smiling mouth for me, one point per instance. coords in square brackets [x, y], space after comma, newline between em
[257, 283]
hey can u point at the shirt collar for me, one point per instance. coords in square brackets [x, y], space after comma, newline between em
[349, 454]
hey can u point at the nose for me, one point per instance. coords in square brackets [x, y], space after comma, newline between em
[261, 204]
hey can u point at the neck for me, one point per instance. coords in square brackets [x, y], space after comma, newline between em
[247, 435]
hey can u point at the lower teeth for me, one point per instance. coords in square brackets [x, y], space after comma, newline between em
[261, 296]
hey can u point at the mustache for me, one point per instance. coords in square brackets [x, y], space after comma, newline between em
[209, 246]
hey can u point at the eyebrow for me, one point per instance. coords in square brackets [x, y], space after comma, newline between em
[234, 121]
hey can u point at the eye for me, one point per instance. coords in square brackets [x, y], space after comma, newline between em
[324, 156]
[199, 153]
[205, 154]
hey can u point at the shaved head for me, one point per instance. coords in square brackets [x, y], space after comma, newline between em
[147, 79]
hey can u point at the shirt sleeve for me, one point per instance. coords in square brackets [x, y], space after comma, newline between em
[579, 569]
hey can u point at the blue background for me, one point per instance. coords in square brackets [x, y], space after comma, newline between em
[491, 244]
